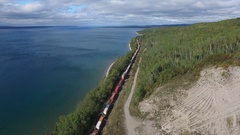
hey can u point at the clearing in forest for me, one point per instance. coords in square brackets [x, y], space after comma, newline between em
[211, 106]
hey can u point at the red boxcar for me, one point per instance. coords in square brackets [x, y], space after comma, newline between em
[94, 133]
[117, 89]
[120, 82]
[112, 97]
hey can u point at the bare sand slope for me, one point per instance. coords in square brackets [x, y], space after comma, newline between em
[212, 106]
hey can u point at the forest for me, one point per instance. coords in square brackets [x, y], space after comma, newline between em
[175, 51]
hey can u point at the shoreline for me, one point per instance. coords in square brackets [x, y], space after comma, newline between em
[109, 68]
[138, 34]
[130, 47]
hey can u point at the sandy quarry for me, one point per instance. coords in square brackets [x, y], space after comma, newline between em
[210, 107]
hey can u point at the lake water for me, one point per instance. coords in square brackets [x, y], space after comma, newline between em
[45, 72]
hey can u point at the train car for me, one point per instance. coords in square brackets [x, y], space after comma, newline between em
[138, 42]
[133, 58]
[112, 97]
[117, 89]
[121, 82]
[106, 109]
[123, 75]
[127, 70]
[99, 123]
[136, 52]
[94, 132]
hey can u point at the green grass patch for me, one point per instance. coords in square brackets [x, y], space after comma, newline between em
[229, 122]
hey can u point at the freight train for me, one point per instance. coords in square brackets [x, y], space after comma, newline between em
[112, 99]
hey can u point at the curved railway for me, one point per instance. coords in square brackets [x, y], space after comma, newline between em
[100, 124]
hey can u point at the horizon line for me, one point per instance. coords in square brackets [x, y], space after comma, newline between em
[110, 26]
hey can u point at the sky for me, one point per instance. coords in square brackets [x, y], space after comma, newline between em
[114, 12]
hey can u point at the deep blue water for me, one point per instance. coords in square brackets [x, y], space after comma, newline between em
[45, 72]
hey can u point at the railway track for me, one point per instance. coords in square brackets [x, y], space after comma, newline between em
[112, 99]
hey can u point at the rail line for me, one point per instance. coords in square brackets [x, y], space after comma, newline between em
[100, 124]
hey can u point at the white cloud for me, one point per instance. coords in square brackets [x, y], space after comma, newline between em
[115, 12]
[32, 7]
[117, 2]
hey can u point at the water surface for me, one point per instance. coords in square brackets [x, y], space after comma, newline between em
[45, 72]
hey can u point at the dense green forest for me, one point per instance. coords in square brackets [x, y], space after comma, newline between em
[174, 51]
[80, 121]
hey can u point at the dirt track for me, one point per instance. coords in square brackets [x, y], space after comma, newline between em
[133, 125]
[131, 122]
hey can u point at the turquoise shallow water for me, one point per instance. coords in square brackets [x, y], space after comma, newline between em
[45, 72]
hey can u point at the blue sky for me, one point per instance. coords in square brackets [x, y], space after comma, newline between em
[115, 12]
